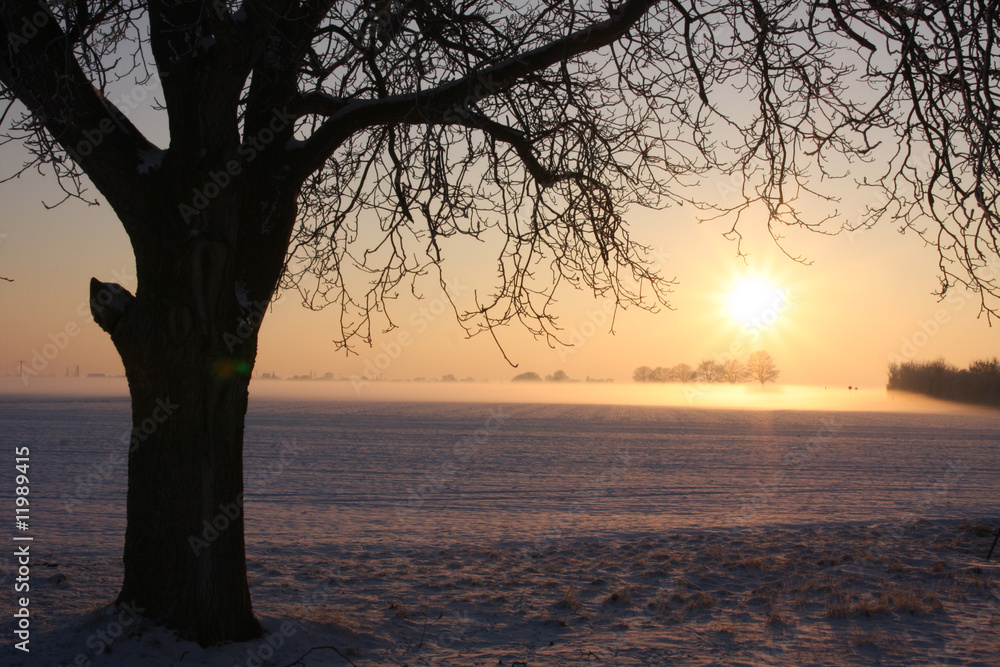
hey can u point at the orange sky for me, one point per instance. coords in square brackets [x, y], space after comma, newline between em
[865, 298]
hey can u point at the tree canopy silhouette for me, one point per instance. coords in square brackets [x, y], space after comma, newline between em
[335, 148]
[977, 384]
[708, 371]
[760, 366]
[734, 371]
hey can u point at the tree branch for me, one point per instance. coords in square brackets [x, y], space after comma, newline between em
[40, 69]
[348, 117]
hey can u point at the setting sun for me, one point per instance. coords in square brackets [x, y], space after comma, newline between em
[755, 301]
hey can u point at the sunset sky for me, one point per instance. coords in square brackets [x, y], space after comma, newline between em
[866, 297]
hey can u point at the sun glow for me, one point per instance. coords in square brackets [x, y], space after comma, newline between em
[755, 301]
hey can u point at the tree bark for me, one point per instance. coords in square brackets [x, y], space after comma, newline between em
[188, 350]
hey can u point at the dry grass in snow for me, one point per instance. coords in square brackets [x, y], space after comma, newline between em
[836, 595]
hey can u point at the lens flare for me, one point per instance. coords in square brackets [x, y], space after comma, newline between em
[227, 368]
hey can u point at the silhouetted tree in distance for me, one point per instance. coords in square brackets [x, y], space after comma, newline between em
[978, 384]
[643, 374]
[761, 367]
[709, 371]
[734, 371]
[682, 373]
[661, 374]
[335, 148]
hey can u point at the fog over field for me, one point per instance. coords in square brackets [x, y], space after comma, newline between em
[693, 394]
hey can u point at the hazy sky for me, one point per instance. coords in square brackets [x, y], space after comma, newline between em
[865, 297]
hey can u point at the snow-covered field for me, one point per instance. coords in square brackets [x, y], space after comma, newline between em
[404, 533]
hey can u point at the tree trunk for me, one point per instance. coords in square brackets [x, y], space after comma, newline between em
[188, 361]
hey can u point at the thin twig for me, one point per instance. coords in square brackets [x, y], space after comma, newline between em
[317, 648]
[423, 632]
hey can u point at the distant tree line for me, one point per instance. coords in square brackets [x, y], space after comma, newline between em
[531, 376]
[978, 384]
[759, 367]
[558, 376]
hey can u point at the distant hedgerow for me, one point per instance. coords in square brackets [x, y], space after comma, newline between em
[978, 384]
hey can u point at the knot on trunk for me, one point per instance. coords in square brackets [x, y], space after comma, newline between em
[108, 304]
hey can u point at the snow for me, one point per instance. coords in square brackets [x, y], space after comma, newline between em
[550, 534]
[242, 294]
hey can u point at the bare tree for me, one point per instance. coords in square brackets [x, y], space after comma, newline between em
[682, 373]
[647, 374]
[660, 374]
[709, 371]
[734, 371]
[761, 367]
[335, 148]
[642, 374]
